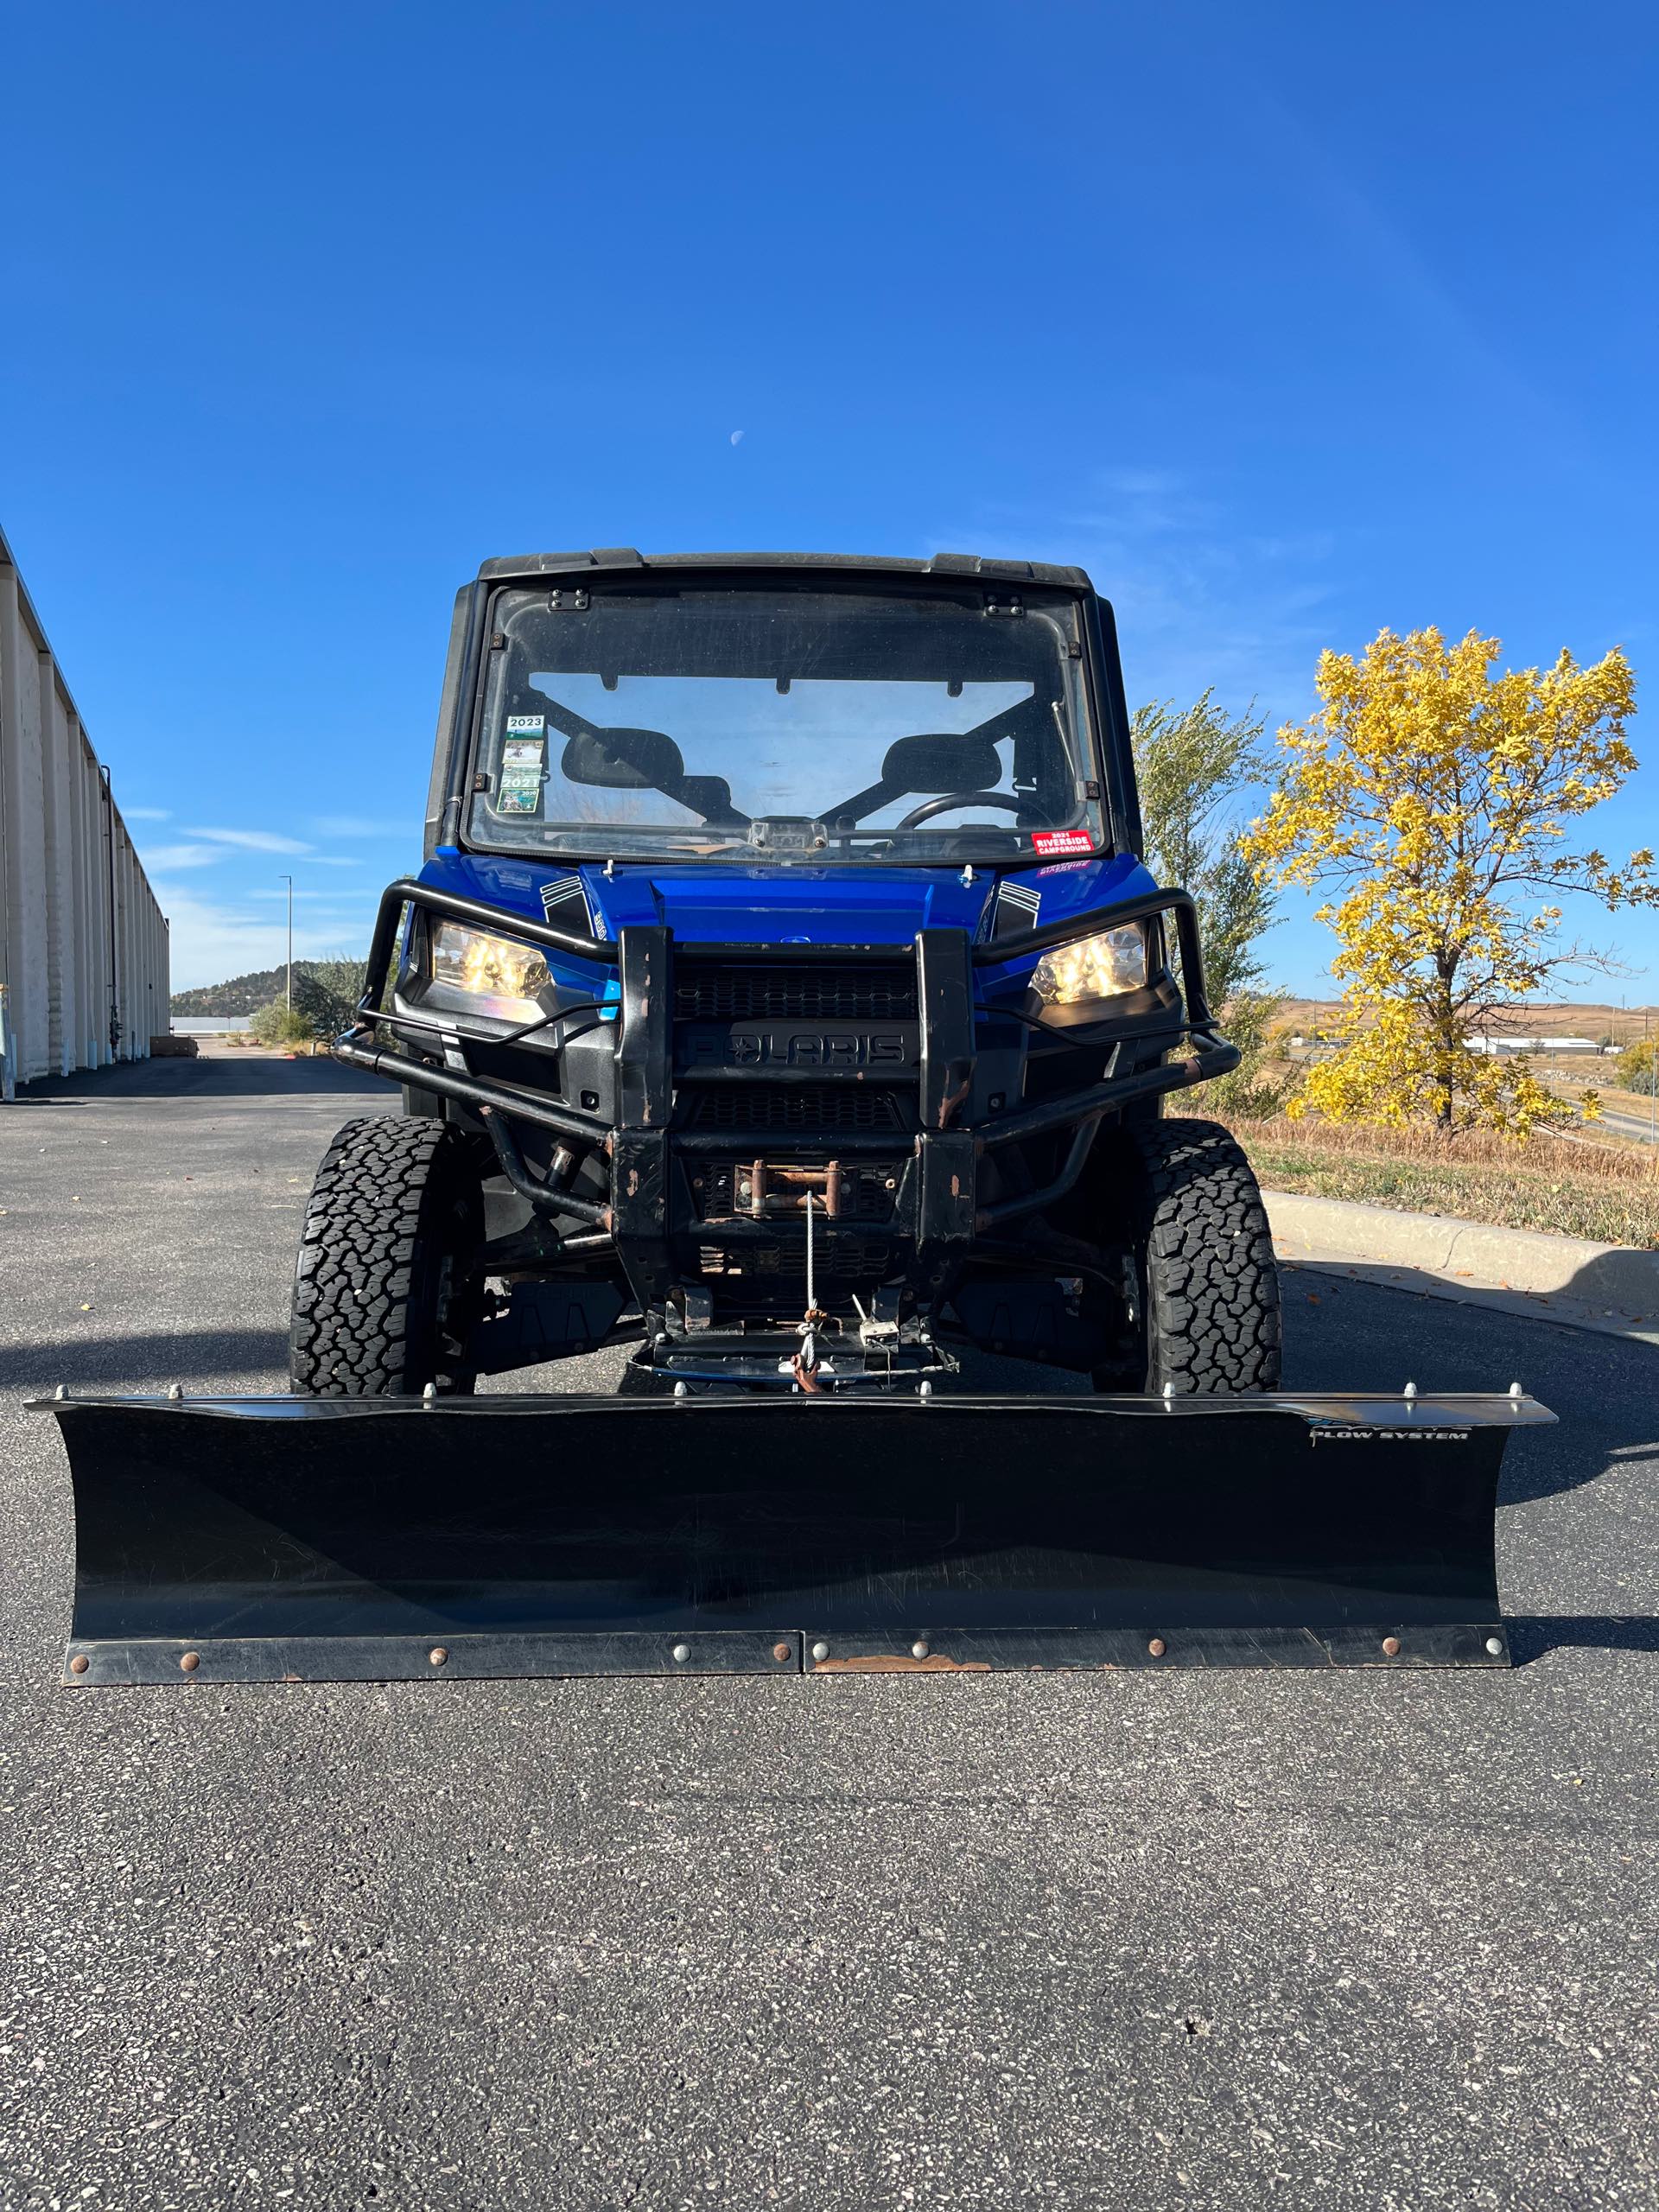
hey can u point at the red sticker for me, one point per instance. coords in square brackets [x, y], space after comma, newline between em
[1061, 841]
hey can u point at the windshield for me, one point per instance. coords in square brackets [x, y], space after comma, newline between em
[676, 723]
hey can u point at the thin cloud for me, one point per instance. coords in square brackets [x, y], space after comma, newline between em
[1200, 601]
[164, 859]
[210, 943]
[334, 897]
[146, 813]
[332, 860]
[252, 841]
[357, 825]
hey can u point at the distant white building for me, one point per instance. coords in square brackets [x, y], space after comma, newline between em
[1499, 1048]
[83, 943]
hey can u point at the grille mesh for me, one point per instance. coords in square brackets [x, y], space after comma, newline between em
[794, 1106]
[771, 1285]
[766, 992]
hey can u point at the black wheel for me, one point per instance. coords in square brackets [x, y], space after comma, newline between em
[1202, 1285]
[387, 1289]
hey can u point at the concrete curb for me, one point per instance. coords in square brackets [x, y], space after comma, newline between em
[1615, 1280]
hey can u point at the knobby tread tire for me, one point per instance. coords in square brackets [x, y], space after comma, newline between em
[376, 1311]
[1209, 1278]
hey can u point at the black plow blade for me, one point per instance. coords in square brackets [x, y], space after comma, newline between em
[273, 1538]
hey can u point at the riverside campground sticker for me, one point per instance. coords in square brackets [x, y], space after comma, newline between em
[522, 752]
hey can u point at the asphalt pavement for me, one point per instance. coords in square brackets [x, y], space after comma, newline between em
[1639, 1126]
[1184, 1939]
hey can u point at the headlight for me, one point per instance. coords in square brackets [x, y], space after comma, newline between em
[1094, 967]
[503, 977]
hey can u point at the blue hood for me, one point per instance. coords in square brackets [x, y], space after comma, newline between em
[859, 904]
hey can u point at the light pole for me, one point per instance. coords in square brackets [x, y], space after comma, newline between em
[288, 881]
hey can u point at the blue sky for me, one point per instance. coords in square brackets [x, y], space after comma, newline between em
[1288, 322]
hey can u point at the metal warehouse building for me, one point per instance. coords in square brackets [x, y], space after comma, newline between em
[83, 944]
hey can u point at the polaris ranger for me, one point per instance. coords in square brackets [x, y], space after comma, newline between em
[785, 995]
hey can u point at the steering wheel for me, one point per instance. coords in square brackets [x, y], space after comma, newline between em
[917, 814]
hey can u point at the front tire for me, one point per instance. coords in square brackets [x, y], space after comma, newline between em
[1208, 1318]
[387, 1289]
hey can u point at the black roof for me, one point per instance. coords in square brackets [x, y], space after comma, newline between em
[941, 564]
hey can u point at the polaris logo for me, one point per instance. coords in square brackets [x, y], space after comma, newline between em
[807, 1049]
[795, 1048]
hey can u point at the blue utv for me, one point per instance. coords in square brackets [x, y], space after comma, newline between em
[785, 997]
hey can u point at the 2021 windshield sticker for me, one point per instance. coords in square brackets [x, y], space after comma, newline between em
[1047, 841]
[522, 753]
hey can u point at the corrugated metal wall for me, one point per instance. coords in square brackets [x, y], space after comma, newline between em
[83, 944]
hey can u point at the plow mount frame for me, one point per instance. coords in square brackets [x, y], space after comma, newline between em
[376, 1540]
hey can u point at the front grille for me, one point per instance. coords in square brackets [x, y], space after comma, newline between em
[794, 1106]
[770, 1284]
[704, 991]
[847, 1259]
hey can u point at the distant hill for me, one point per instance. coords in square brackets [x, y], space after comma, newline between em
[1619, 1025]
[243, 994]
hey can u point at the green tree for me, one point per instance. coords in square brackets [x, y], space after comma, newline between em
[327, 992]
[1635, 1066]
[1197, 768]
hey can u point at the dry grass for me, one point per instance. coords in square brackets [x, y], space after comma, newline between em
[1569, 1188]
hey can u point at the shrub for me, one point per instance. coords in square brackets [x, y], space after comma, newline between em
[1636, 1067]
[1259, 1086]
[326, 992]
[281, 1026]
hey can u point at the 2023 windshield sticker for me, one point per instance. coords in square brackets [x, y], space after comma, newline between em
[523, 753]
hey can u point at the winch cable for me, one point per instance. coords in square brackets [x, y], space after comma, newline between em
[805, 1362]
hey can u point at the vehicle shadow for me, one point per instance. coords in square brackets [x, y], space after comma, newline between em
[1533, 1635]
[1560, 1459]
[1598, 1292]
[1343, 1333]
[220, 1075]
[193, 1356]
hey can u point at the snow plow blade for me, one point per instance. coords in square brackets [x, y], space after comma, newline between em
[284, 1539]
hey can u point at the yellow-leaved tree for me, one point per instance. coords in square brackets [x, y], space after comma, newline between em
[1431, 795]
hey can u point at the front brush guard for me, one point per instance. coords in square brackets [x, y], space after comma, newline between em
[647, 1216]
[257, 1539]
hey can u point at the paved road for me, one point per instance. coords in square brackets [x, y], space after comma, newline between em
[1629, 1125]
[1617, 1120]
[1351, 1940]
